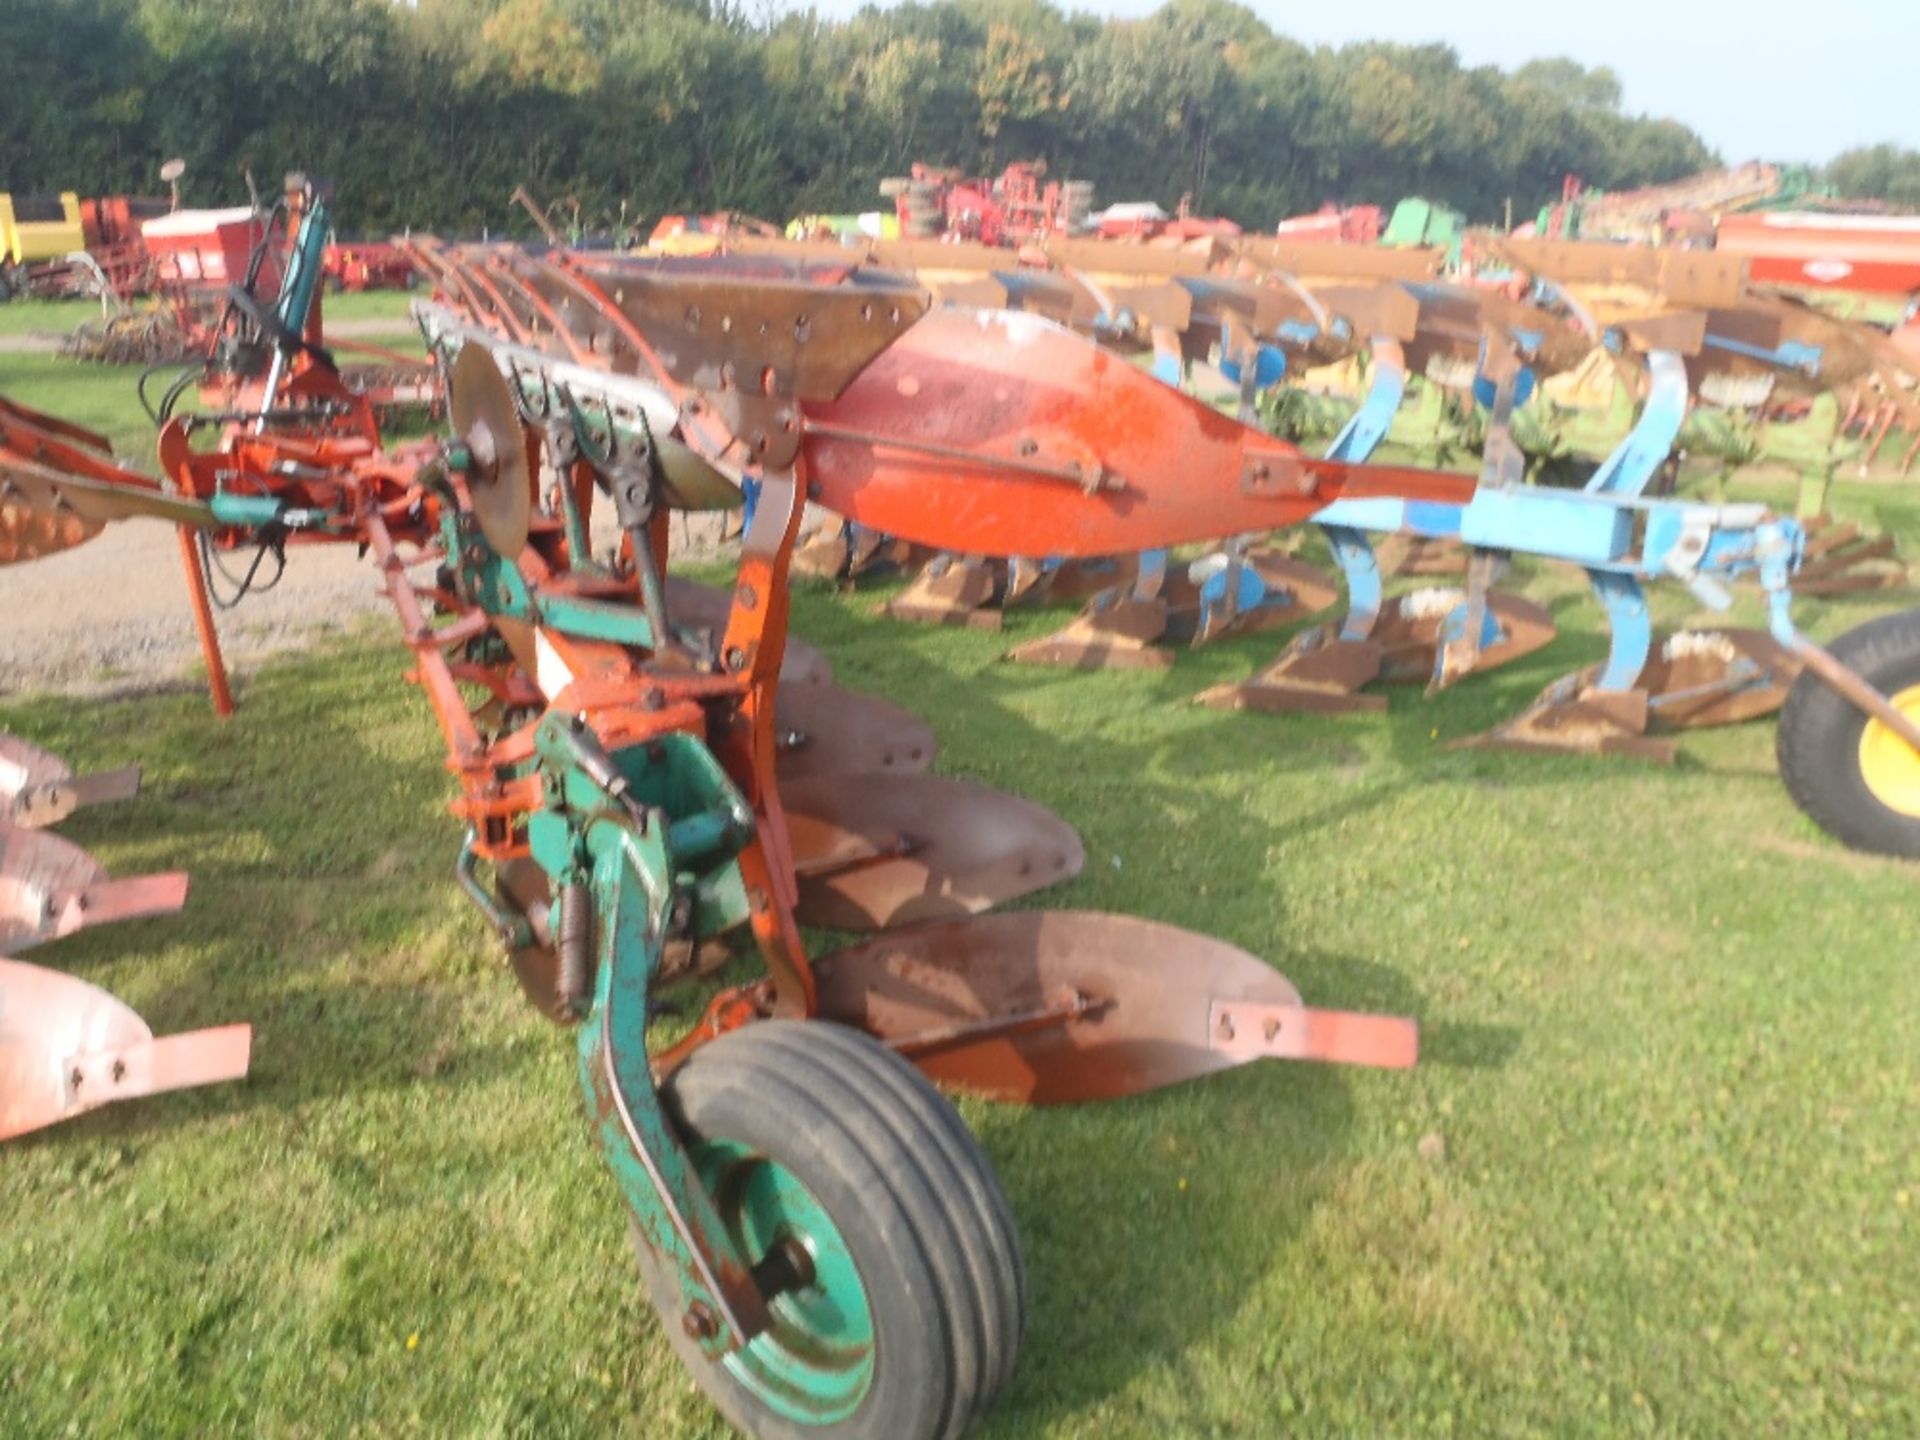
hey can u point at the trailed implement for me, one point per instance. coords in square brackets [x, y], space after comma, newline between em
[67, 1047]
[645, 780]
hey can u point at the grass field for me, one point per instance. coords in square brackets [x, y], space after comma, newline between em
[57, 317]
[1669, 1186]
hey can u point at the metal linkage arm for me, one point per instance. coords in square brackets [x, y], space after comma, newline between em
[619, 834]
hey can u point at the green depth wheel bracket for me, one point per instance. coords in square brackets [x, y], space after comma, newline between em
[649, 836]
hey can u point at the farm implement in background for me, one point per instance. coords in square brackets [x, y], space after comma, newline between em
[1262, 312]
[1642, 305]
[223, 275]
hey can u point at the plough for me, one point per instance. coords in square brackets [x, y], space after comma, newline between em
[1685, 319]
[644, 775]
[67, 1047]
[1657, 308]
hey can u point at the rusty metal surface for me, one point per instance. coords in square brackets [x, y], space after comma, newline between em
[501, 481]
[880, 850]
[756, 338]
[1842, 560]
[72, 508]
[1663, 277]
[1420, 555]
[1567, 718]
[825, 731]
[1692, 679]
[1060, 1007]
[1117, 633]
[1409, 629]
[67, 1047]
[951, 590]
[1722, 676]
[1319, 673]
[50, 888]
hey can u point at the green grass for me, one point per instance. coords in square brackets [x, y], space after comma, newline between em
[371, 305]
[57, 317]
[1671, 1048]
[101, 397]
[45, 317]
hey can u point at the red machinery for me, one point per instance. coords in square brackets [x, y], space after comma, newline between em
[368, 265]
[1331, 225]
[1012, 210]
[1144, 220]
[1869, 254]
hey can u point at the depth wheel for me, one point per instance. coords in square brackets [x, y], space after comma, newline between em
[827, 1150]
[1853, 776]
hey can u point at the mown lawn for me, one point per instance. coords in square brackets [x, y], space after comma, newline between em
[57, 317]
[1669, 1184]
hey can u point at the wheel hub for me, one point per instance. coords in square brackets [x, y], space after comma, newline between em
[1888, 764]
[815, 1364]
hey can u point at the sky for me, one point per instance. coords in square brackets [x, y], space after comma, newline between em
[1786, 80]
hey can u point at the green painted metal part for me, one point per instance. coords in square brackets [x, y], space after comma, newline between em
[304, 268]
[814, 1364]
[1417, 222]
[251, 511]
[650, 829]
[495, 584]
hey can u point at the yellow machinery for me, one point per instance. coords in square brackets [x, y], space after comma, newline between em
[36, 228]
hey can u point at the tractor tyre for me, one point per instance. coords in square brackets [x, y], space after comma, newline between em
[1855, 778]
[910, 1307]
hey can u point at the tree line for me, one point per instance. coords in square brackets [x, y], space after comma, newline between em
[428, 114]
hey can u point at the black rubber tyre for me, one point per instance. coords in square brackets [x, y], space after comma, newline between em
[1820, 734]
[915, 1201]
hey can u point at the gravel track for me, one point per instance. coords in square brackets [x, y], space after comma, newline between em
[111, 616]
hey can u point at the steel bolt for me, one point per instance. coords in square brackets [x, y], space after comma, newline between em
[699, 1322]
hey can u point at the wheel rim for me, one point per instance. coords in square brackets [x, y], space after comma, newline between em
[815, 1363]
[1888, 764]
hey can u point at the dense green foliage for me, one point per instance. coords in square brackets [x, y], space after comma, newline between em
[430, 114]
[1878, 172]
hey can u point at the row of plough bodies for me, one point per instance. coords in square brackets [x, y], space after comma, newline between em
[1676, 324]
[649, 772]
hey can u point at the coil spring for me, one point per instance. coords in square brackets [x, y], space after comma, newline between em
[573, 937]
